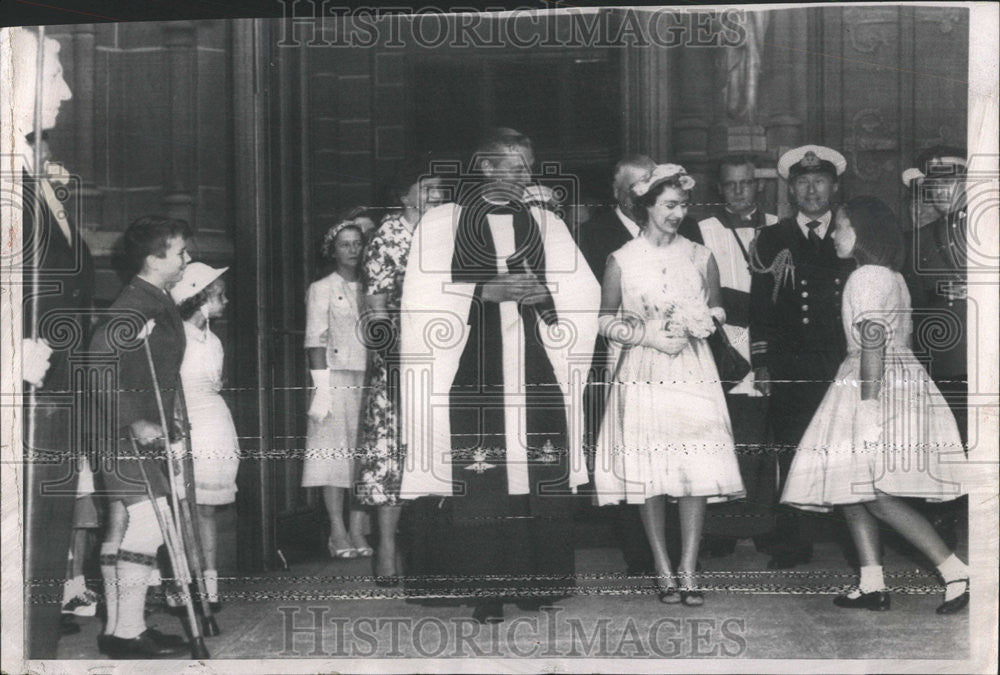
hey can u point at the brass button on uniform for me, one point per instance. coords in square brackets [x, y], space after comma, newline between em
[805, 294]
[805, 308]
[836, 281]
[805, 319]
[805, 282]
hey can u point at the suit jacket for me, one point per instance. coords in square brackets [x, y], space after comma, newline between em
[936, 276]
[601, 236]
[65, 286]
[139, 302]
[795, 315]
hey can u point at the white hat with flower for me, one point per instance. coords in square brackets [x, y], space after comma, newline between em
[197, 277]
[661, 173]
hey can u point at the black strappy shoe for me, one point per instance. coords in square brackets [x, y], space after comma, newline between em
[955, 605]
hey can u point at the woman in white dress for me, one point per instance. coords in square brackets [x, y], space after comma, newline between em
[883, 430]
[215, 449]
[337, 363]
[666, 431]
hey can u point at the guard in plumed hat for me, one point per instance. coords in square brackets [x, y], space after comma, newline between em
[796, 340]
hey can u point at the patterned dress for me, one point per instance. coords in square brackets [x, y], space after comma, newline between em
[382, 453]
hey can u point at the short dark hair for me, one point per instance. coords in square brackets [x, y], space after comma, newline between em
[647, 200]
[406, 175]
[188, 307]
[737, 159]
[500, 139]
[148, 236]
[497, 141]
[878, 239]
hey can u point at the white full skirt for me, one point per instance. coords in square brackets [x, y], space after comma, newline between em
[666, 430]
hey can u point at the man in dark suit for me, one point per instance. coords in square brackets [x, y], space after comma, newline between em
[796, 338]
[56, 302]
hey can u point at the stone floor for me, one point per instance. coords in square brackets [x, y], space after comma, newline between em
[328, 609]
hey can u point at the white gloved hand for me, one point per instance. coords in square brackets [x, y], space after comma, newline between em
[654, 336]
[868, 424]
[35, 361]
[322, 400]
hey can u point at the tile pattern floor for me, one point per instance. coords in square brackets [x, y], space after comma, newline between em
[331, 609]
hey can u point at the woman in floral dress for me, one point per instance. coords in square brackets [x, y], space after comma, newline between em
[666, 431]
[385, 264]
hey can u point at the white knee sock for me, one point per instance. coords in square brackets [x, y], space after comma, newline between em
[72, 588]
[872, 580]
[136, 558]
[953, 569]
[109, 565]
[212, 585]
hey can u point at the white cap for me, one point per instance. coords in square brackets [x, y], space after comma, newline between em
[811, 158]
[197, 277]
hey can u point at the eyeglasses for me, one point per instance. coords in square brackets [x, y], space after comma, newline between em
[738, 184]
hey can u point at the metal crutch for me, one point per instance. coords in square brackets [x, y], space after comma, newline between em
[177, 561]
[191, 530]
[195, 627]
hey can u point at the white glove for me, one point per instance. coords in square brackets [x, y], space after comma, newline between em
[321, 401]
[868, 424]
[35, 361]
[654, 336]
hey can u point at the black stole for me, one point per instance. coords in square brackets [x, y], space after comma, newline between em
[477, 401]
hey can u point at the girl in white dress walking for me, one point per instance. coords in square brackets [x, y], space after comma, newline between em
[215, 449]
[666, 431]
[883, 430]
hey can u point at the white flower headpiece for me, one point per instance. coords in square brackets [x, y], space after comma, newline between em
[661, 173]
[331, 235]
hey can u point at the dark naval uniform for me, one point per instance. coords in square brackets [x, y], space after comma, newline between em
[65, 292]
[796, 333]
[936, 276]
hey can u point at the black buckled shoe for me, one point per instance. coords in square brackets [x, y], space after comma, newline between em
[955, 605]
[877, 601]
[142, 647]
[165, 640]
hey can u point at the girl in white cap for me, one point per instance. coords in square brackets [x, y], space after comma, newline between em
[201, 296]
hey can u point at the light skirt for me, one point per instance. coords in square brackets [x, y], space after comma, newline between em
[666, 430]
[332, 445]
[215, 448]
[919, 453]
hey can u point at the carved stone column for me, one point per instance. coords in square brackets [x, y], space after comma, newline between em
[646, 73]
[83, 123]
[785, 66]
[694, 77]
[178, 198]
